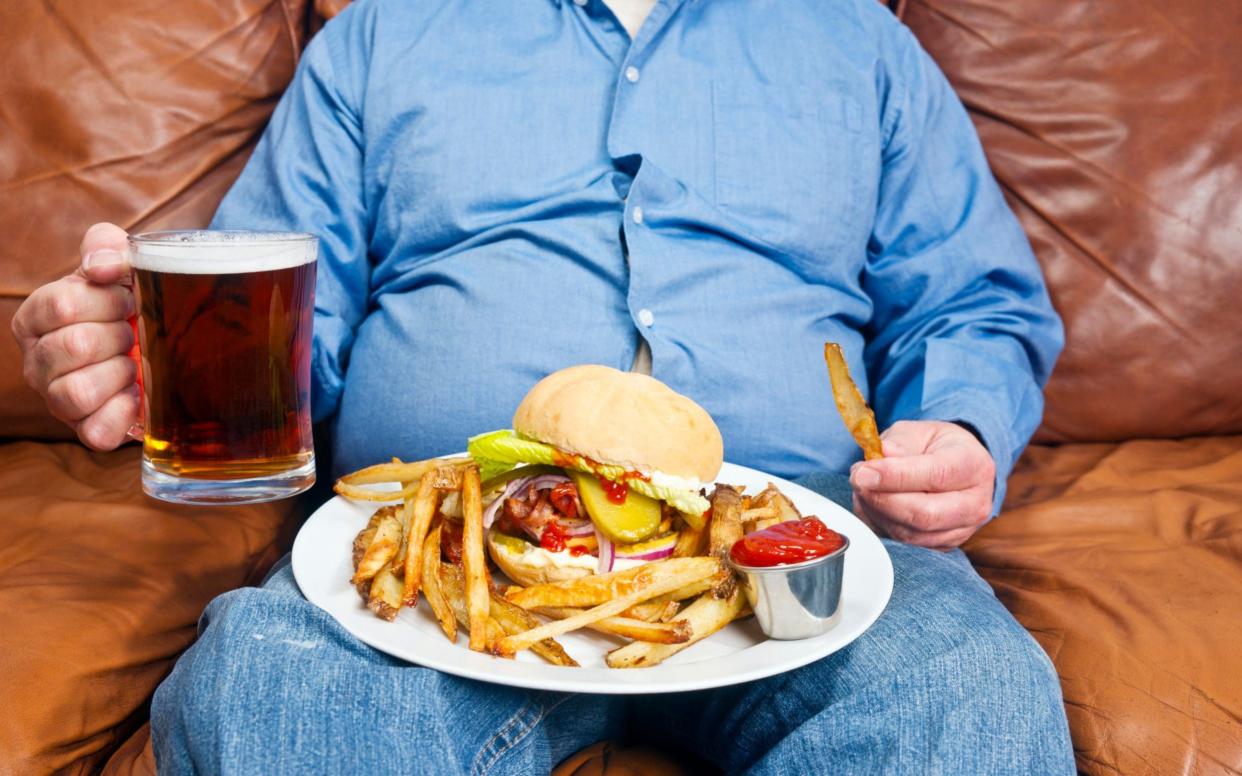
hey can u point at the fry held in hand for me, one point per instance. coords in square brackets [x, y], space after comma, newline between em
[858, 417]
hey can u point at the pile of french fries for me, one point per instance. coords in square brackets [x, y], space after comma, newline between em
[660, 607]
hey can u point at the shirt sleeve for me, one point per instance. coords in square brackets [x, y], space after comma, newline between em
[306, 175]
[963, 329]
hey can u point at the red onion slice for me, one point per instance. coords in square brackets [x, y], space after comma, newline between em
[547, 481]
[577, 527]
[489, 514]
[653, 555]
[606, 554]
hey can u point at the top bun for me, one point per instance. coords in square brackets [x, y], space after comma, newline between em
[622, 418]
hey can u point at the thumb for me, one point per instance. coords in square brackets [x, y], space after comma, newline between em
[105, 255]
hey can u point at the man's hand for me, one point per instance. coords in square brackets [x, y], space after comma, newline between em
[933, 488]
[75, 339]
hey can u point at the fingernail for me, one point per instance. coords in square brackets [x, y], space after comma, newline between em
[866, 478]
[136, 432]
[105, 257]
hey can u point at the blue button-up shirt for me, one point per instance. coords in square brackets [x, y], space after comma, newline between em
[507, 187]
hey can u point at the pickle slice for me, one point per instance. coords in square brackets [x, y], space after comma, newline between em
[632, 521]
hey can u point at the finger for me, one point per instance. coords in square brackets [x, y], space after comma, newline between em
[943, 540]
[893, 447]
[105, 254]
[927, 512]
[70, 300]
[948, 469]
[83, 392]
[108, 427]
[73, 347]
[936, 540]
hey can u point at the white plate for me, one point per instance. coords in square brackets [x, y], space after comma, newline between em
[738, 653]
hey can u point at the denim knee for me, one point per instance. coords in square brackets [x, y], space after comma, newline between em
[982, 677]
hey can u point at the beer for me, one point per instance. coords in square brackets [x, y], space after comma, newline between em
[224, 331]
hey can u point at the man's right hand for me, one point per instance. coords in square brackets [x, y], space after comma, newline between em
[75, 338]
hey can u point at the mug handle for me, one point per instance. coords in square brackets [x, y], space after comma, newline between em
[137, 431]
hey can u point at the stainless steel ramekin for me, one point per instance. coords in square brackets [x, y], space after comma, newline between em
[798, 600]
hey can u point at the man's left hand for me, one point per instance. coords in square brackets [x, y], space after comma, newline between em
[933, 488]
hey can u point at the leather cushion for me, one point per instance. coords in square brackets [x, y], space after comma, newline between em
[1115, 129]
[1125, 563]
[137, 113]
[101, 588]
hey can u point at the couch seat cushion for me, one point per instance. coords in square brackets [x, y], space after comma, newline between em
[1125, 562]
[100, 590]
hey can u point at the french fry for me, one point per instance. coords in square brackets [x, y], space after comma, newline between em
[363, 540]
[691, 541]
[670, 611]
[405, 513]
[758, 513]
[647, 612]
[447, 477]
[455, 592]
[397, 471]
[501, 620]
[675, 573]
[451, 505]
[432, 588]
[771, 498]
[423, 509]
[706, 615]
[750, 526]
[473, 560]
[382, 549]
[601, 588]
[858, 417]
[359, 493]
[385, 594]
[724, 530]
[515, 619]
[657, 632]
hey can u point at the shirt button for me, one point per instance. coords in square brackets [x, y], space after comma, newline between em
[638, 215]
[580, 3]
[646, 317]
[631, 74]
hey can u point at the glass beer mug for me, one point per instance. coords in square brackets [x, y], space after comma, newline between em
[224, 331]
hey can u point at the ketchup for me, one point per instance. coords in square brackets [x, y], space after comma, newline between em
[554, 539]
[790, 542]
[615, 491]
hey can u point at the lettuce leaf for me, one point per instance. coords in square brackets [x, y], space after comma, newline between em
[499, 451]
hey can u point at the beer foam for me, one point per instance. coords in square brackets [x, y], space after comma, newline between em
[221, 252]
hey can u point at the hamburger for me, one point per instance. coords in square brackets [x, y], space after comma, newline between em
[601, 471]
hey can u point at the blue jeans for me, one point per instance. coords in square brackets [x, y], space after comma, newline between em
[945, 682]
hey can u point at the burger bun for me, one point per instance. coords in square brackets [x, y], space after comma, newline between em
[525, 573]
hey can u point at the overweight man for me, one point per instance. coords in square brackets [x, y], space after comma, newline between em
[704, 189]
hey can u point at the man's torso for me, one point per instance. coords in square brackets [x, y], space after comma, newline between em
[540, 192]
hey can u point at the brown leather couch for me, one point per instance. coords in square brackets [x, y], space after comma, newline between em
[1114, 127]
